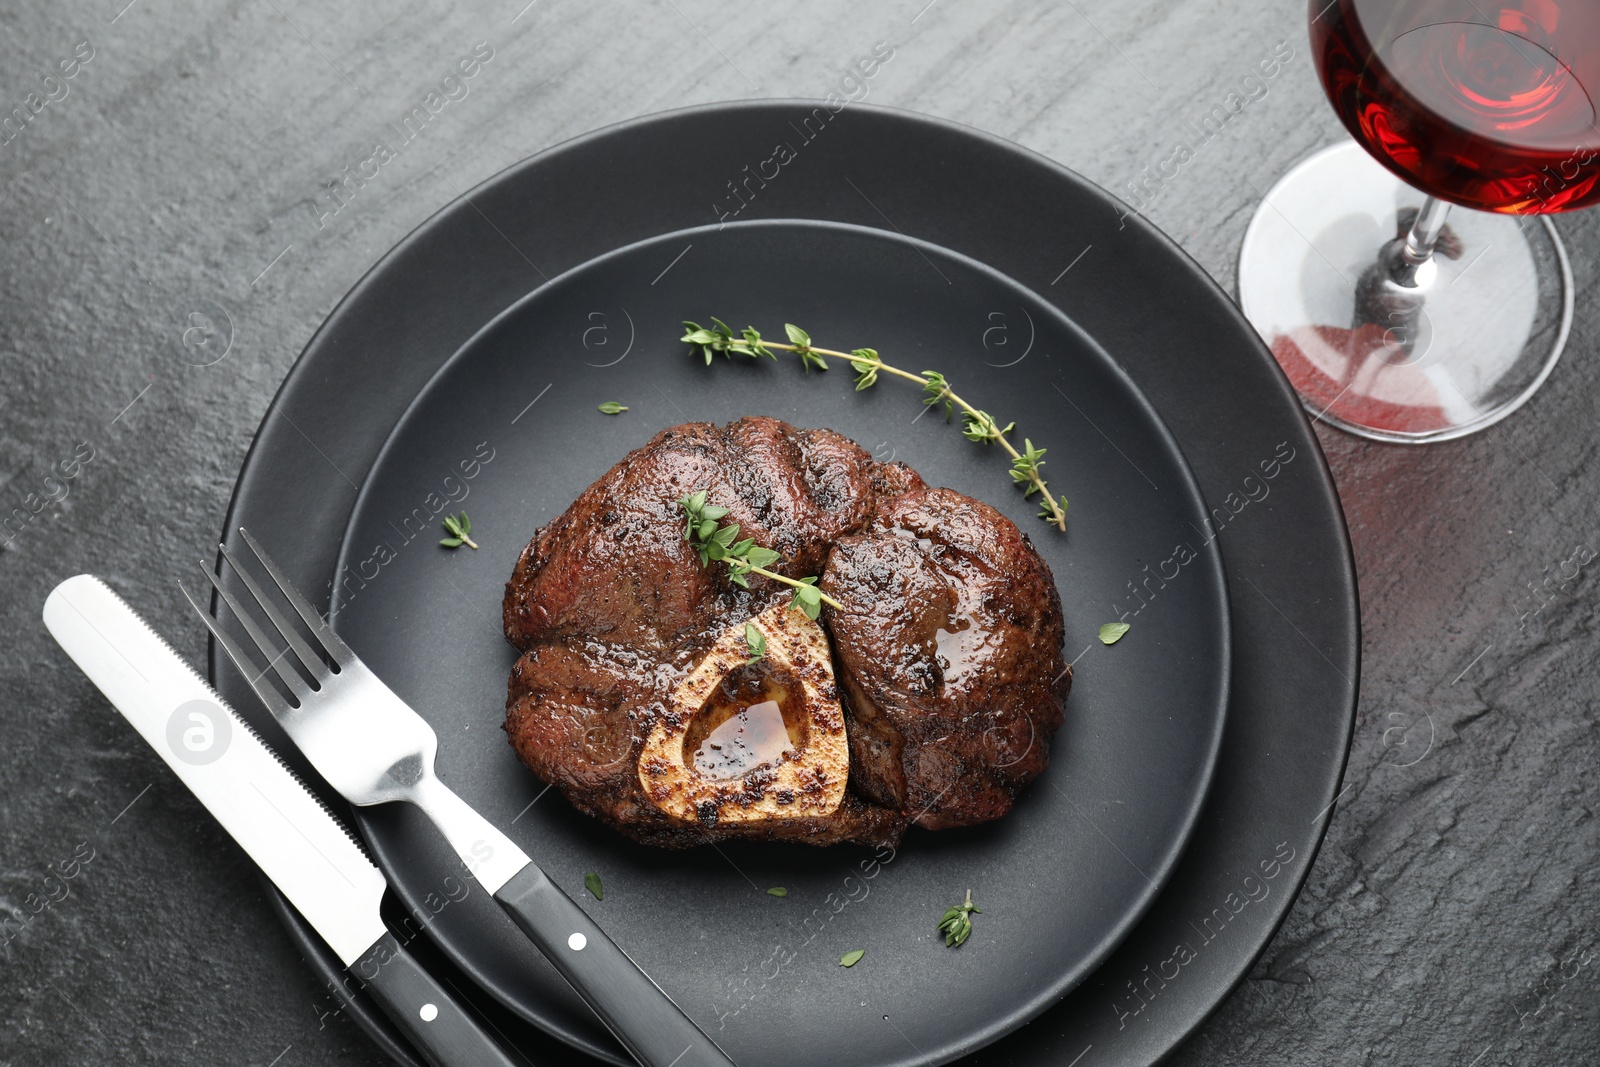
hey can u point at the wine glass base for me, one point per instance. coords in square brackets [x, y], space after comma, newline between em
[1496, 304]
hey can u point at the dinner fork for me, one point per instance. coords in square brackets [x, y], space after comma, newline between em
[374, 749]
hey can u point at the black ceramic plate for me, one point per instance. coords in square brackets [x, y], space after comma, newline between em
[1059, 880]
[1295, 637]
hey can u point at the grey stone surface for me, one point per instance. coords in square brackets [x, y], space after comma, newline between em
[1452, 913]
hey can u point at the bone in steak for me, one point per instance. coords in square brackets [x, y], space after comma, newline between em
[929, 699]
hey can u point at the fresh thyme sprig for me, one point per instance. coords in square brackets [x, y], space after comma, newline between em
[458, 527]
[715, 542]
[977, 425]
[956, 926]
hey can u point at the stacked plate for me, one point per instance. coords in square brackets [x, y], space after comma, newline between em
[1187, 792]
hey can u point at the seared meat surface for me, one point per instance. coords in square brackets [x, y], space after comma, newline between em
[615, 567]
[949, 653]
[935, 705]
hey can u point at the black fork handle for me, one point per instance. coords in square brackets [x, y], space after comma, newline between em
[435, 1021]
[654, 1030]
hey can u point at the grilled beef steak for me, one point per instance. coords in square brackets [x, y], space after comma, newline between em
[930, 698]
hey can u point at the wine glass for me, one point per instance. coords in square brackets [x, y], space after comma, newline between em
[1394, 316]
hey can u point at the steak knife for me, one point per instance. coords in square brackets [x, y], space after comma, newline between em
[308, 854]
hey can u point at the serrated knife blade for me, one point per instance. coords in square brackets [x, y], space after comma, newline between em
[285, 829]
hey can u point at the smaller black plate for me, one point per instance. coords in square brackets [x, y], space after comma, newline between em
[1061, 879]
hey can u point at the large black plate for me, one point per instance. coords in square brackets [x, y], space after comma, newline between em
[1060, 880]
[1295, 637]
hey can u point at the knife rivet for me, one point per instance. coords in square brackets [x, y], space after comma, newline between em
[429, 1012]
[576, 942]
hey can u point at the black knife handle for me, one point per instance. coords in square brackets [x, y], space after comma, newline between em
[654, 1030]
[430, 1018]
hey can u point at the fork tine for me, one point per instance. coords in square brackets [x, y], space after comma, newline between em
[269, 696]
[286, 671]
[313, 662]
[331, 641]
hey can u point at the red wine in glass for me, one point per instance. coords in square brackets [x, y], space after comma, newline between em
[1482, 103]
[1395, 314]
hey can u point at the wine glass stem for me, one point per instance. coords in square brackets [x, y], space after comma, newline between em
[1425, 232]
[1392, 290]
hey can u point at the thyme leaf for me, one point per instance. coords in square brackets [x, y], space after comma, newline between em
[756, 641]
[1111, 632]
[956, 926]
[459, 527]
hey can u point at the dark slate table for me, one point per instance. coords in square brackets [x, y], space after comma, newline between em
[185, 167]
